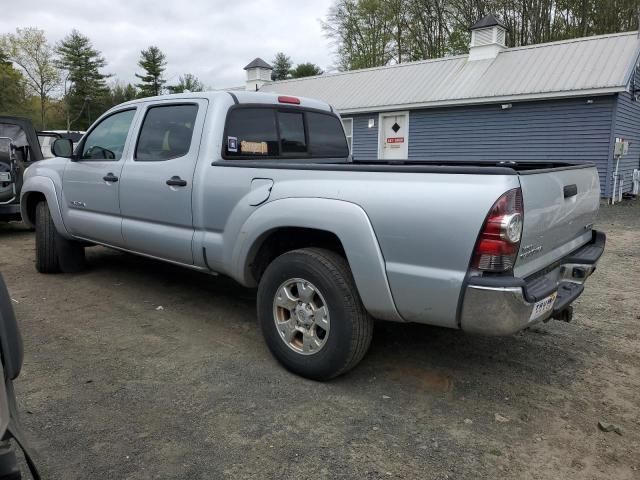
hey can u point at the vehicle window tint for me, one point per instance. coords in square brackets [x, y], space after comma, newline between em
[326, 136]
[292, 138]
[106, 141]
[166, 132]
[251, 132]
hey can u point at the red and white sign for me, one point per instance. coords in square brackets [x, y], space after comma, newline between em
[395, 139]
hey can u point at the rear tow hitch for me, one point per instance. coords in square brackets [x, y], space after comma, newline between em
[565, 315]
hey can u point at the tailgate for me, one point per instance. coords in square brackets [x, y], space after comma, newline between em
[560, 206]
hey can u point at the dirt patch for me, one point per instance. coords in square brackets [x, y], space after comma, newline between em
[114, 388]
[422, 379]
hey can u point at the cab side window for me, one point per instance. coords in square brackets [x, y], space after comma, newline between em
[166, 133]
[106, 141]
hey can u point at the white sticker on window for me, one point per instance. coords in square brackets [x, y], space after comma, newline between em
[232, 144]
[259, 148]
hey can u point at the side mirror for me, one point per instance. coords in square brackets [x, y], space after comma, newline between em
[62, 147]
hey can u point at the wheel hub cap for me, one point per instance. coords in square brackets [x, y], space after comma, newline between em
[301, 316]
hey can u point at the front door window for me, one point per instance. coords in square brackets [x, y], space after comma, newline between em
[106, 141]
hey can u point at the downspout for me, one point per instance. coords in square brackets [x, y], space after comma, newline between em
[612, 140]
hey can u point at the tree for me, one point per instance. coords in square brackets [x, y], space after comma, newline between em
[370, 33]
[120, 93]
[306, 70]
[361, 31]
[153, 61]
[281, 67]
[187, 82]
[84, 83]
[13, 97]
[28, 48]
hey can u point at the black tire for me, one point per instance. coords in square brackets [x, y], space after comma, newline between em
[351, 327]
[55, 253]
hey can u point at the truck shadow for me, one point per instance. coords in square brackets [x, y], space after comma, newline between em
[13, 228]
[414, 358]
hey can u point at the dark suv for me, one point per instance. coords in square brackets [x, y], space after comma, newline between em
[19, 147]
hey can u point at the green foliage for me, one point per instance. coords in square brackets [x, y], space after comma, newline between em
[13, 95]
[281, 67]
[120, 93]
[153, 62]
[370, 33]
[361, 31]
[306, 70]
[85, 85]
[187, 82]
[29, 50]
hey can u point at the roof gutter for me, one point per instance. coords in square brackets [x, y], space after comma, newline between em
[484, 100]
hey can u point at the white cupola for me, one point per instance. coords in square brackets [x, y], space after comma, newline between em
[488, 38]
[258, 74]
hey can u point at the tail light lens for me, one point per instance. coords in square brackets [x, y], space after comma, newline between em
[499, 240]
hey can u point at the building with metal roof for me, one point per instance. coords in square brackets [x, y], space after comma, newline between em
[567, 100]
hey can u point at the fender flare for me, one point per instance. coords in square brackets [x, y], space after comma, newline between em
[46, 187]
[347, 221]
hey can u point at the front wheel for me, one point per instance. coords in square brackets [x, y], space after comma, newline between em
[54, 253]
[311, 315]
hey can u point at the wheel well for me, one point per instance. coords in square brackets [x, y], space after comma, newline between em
[286, 239]
[32, 201]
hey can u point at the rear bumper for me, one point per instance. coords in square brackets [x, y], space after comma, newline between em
[505, 305]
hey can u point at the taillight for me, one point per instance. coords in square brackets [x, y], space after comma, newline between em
[291, 100]
[499, 240]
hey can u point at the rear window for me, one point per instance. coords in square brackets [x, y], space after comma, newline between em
[259, 132]
[326, 136]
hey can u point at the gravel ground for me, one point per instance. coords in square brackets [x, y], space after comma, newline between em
[114, 387]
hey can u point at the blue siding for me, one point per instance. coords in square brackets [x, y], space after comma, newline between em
[627, 126]
[570, 130]
[563, 130]
[365, 139]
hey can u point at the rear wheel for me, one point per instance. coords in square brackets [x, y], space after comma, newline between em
[54, 253]
[311, 315]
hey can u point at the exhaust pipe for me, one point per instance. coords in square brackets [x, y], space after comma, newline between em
[564, 315]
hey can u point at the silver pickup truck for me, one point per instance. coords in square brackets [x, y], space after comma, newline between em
[262, 188]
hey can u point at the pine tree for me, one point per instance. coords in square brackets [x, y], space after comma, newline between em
[85, 86]
[281, 67]
[120, 93]
[153, 61]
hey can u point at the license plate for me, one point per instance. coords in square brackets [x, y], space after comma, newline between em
[543, 306]
[5, 176]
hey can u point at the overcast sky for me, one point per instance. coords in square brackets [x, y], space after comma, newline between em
[212, 39]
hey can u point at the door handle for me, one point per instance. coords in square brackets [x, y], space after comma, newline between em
[570, 190]
[110, 177]
[176, 181]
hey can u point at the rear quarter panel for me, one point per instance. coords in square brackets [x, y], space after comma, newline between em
[426, 224]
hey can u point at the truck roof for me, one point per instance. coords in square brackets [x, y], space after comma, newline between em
[242, 97]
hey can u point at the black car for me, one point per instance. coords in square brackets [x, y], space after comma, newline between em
[19, 147]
